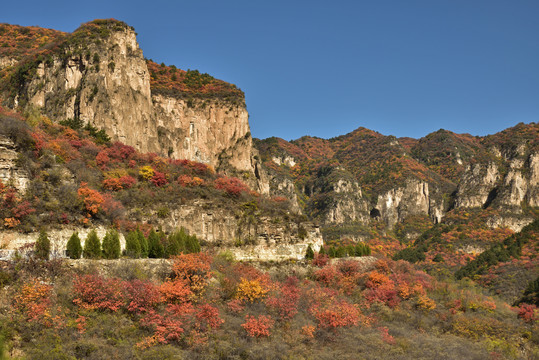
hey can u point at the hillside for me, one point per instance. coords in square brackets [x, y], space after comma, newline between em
[140, 220]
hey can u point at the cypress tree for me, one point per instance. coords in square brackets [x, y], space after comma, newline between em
[310, 253]
[144, 248]
[172, 246]
[182, 238]
[192, 245]
[42, 247]
[340, 252]
[331, 251]
[73, 247]
[155, 248]
[92, 246]
[111, 245]
[132, 245]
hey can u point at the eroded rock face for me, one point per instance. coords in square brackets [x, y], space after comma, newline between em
[10, 173]
[484, 185]
[6, 61]
[204, 131]
[248, 238]
[399, 203]
[222, 226]
[107, 84]
[477, 183]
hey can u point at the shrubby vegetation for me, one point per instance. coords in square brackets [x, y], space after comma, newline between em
[209, 307]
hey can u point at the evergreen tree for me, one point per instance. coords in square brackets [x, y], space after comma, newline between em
[132, 245]
[111, 245]
[92, 246]
[172, 246]
[331, 251]
[192, 245]
[42, 247]
[340, 252]
[182, 237]
[155, 248]
[73, 247]
[144, 247]
[322, 250]
[310, 253]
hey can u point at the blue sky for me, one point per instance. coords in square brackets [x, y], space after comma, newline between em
[325, 68]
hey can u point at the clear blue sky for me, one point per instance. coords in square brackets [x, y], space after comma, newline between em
[325, 68]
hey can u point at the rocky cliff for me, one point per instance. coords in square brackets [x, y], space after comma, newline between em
[97, 75]
[364, 177]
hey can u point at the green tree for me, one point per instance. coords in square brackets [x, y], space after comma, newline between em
[42, 247]
[340, 252]
[309, 255]
[192, 245]
[132, 245]
[155, 248]
[73, 247]
[92, 246]
[111, 245]
[144, 247]
[172, 246]
[322, 250]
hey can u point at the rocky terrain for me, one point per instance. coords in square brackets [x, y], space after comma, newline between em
[200, 242]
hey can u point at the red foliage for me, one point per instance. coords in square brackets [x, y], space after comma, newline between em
[34, 300]
[193, 268]
[208, 317]
[527, 312]
[320, 260]
[116, 184]
[232, 186]
[159, 179]
[286, 302]
[92, 199]
[327, 275]
[97, 293]
[141, 296]
[258, 327]
[176, 291]
[335, 314]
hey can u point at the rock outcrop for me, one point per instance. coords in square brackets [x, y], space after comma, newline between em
[98, 76]
[10, 172]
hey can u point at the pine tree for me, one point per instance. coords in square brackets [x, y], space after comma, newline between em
[331, 252]
[111, 245]
[132, 245]
[182, 240]
[172, 246]
[144, 247]
[155, 248]
[310, 253]
[42, 247]
[73, 247]
[340, 252]
[92, 246]
[192, 245]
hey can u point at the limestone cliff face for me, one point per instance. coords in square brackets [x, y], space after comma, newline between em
[104, 80]
[348, 204]
[484, 185]
[221, 228]
[477, 183]
[204, 131]
[107, 85]
[10, 173]
[412, 199]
